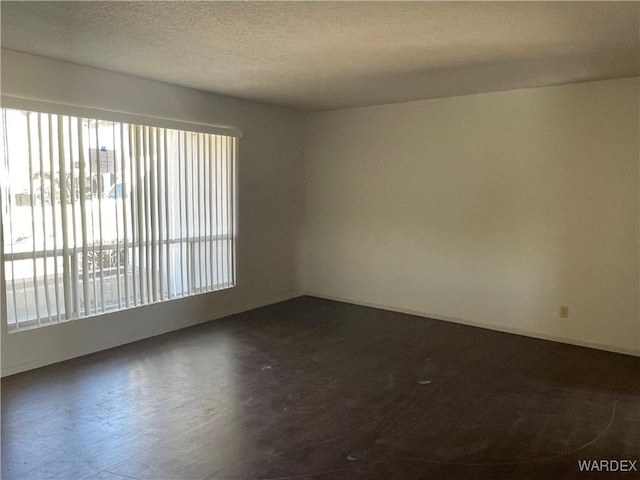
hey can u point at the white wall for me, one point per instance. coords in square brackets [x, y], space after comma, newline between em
[491, 209]
[269, 203]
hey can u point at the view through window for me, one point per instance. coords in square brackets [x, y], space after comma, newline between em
[100, 215]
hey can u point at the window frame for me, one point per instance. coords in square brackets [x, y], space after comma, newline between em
[46, 107]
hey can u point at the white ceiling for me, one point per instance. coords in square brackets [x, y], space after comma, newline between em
[327, 55]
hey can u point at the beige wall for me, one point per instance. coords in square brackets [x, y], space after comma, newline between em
[270, 194]
[493, 209]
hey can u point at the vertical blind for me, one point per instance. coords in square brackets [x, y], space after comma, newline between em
[101, 215]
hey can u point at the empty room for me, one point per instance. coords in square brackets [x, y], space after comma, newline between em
[320, 240]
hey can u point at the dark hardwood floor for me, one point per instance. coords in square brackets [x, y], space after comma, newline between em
[314, 389]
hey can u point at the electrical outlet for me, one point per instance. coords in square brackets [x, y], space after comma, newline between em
[564, 312]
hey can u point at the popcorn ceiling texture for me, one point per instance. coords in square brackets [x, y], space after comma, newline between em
[326, 55]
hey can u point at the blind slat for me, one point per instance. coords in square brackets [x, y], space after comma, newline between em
[93, 306]
[117, 173]
[83, 222]
[167, 200]
[52, 203]
[36, 294]
[123, 195]
[133, 176]
[153, 197]
[101, 260]
[5, 140]
[160, 217]
[75, 293]
[44, 215]
[181, 161]
[66, 274]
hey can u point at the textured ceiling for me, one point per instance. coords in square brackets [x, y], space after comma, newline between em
[326, 55]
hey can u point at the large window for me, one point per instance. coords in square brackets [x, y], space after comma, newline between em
[101, 215]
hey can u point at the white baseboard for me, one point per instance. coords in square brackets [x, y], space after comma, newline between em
[99, 346]
[89, 349]
[488, 326]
